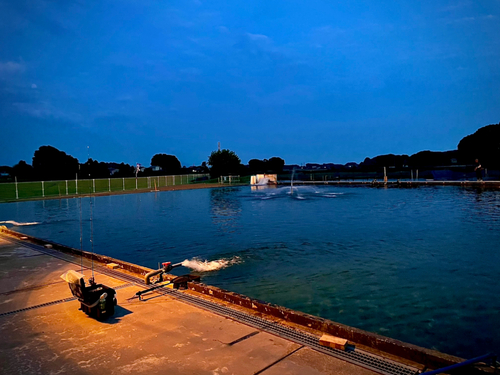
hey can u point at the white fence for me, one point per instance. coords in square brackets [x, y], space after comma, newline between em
[41, 189]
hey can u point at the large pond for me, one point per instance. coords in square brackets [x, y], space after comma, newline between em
[421, 265]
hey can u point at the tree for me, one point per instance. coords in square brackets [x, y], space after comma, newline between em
[275, 165]
[168, 163]
[51, 164]
[223, 162]
[94, 169]
[256, 166]
[23, 171]
[484, 145]
[125, 170]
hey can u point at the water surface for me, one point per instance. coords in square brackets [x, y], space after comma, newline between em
[421, 265]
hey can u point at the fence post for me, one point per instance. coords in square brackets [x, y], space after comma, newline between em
[109, 184]
[43, 191]
[66, 187]
[136, 183]
[173, 180]
[166, 181]
[93, 184]
[76, 184]
[123, 182]
[17, 192]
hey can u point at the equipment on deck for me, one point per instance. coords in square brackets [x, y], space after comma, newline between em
[96, 300]
[167, 267]
[179, 282]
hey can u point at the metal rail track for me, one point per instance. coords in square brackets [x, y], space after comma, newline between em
[358, 357]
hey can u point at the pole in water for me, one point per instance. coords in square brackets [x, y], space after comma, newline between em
[81, 238]
[91, 224]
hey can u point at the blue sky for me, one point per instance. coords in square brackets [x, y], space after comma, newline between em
[308, 81]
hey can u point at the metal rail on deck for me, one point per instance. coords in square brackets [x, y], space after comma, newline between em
[483, 358]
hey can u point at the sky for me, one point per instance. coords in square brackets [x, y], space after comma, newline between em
[308, 81]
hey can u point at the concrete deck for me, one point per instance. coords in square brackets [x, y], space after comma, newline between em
[156, 335]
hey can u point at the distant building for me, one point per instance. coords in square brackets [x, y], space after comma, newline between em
[195, 169]
[113, 168]
[291, 167]
[351, 165]
[156, 168]
[313, 166]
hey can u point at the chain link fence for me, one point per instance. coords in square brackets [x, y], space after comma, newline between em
[11, 191]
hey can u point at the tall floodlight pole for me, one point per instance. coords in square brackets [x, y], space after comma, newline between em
[137, 169]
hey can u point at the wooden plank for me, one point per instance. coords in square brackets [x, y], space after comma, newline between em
[333, 342]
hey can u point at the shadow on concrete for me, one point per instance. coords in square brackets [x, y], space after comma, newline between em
[150, 297]
[120, 312]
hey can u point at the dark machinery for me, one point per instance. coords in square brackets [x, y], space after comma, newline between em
[96, 300]
[167, 267]
[179, 282]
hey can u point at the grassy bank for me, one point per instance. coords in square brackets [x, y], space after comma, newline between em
[11, 191]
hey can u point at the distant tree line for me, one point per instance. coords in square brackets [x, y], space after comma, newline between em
[50, 163]
[484, 145]
[273, 165]
[226, 162]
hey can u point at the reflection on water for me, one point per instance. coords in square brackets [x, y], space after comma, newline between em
[420, 265]
[225, 208]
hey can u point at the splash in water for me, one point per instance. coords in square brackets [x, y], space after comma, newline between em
[214, 265]
[15, 223]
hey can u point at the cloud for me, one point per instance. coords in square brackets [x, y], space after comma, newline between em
[46, 110]
[260, 45]
[11, 67]
[465, 20]
[457, 6]
[54, 17]
[34, 86]
[258, 37]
